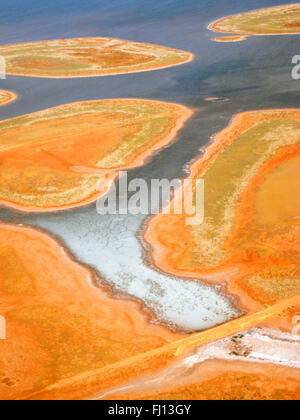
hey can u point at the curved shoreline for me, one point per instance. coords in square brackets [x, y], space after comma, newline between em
[12, 97]
[212, 26]
[159, 253]
[77, 296]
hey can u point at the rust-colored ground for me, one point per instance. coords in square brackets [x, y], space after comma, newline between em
[86, 57]
[58, 324]
[67, 339]
[6, 97]
[234, 38]
[250, 235]
[63, 157]
[99, 380]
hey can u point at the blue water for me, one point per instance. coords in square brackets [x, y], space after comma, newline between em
[254, 74]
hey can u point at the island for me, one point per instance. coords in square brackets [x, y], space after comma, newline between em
[277, 20]
[234, 38]
[67, 156]
[86, 57]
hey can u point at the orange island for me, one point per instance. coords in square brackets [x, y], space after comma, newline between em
[7, 97]
[250, 235]
[64, 157]
[276, 20]
[86, 57]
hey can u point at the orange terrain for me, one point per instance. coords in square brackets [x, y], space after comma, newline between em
[67, 339]
[58, 324]
[68, 156]
[7, 97]
[88, 57]
[138, 367]
[250, 234]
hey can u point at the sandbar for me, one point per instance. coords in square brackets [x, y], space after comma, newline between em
[234, 38]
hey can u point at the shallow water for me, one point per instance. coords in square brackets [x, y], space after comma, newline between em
[253, 74]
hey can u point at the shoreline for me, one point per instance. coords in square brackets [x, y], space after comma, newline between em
[158, 253]
[80, 293]
[12, 97]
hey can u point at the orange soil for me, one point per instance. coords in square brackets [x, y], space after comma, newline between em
[44, 156]
[256, 252]
[221, 380]
[58, 324]
[6, 97]
[237, 38]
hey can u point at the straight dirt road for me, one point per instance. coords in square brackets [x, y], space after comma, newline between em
[141, 364]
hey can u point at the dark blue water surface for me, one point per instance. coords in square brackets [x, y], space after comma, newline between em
[253, 74]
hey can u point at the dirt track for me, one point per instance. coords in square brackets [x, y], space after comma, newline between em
[144, 363]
